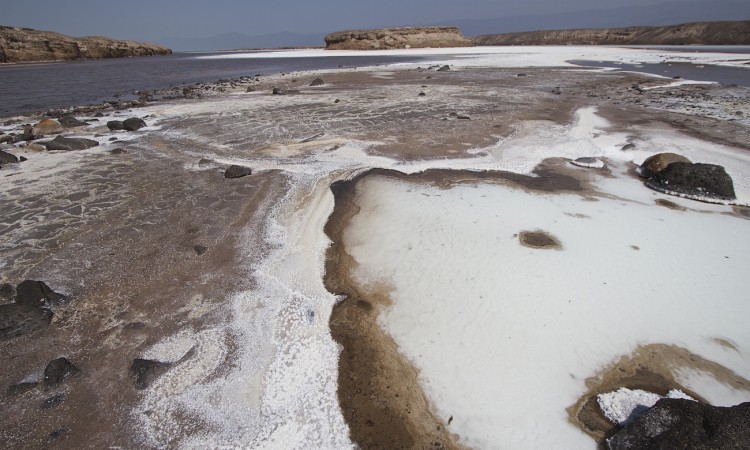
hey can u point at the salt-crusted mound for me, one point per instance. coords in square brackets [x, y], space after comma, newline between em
[705, 33]
[388, 38]
[679, 423]
[28, 45]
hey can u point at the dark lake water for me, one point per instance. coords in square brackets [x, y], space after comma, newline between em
[31, 88]
[695, 72]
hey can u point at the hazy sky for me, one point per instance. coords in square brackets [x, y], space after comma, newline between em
[154, 19]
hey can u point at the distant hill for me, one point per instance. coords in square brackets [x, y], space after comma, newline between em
[667, 13]
[704, 33]
[28, 45]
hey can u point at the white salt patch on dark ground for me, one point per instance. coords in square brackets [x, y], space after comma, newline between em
[624, 405]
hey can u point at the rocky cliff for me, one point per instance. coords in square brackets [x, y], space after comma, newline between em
[705, 33]
[27, 45]
[390, 38]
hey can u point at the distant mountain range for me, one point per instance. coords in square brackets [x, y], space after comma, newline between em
[667, 13]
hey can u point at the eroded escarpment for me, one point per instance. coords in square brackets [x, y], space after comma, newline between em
[390, 38]
[18, 45]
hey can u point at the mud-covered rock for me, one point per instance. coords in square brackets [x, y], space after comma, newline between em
[686, 424]
[698, 181]
[37, 293]
[235, 171]
[115, 125]
[656, 163]
[59, 370]
[133, 124]
[18, 319]
[145, 371]
[7, 158]
[63, 143]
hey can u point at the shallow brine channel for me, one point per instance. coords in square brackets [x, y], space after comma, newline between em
[504, 330]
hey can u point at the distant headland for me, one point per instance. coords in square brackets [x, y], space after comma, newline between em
[697, 33]
[21, 45]
[394, 38]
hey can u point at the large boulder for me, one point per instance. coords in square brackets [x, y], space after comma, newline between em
[686, 424]
[133, 124]
[705, 182]
[63, 143]
[656, 163]
[47, 126]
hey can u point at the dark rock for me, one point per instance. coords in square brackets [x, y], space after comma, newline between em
[696, 181]
[7, 158]
[336, 101]
[59, 370]
[556, 90]
[20, 388]
[17, 319]
[53, 401]
[70, 122]
[279, 91]
[317, 82]
[205, 162]
[22, 159]
[118, 151]
[7, 291]
[99, 114]
[5, 138]
[145, 371]
[462, 117]
[628, 147]
[200, 249]
[112, 139]
[521, 75]
[686, 424]
[115, 125]
[421, 94]
[235, 171]
[133, 124]
[445, 68]
[37, 293]
[656, 163]
[250, 89]
[63, 143]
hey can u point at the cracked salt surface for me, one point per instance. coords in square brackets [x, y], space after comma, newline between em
[279, 390]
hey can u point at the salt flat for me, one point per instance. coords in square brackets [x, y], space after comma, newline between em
[489, 330]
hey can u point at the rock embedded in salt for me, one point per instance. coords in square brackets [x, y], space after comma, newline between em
[589, 162]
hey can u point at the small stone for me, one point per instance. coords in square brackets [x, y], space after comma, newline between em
[235, 171]
[628, 147]
[521, 74]
[421, 94]
[317, 82]
[444, 68]
[118, 151]
[59, 370]
[200, 249]
[70, 122]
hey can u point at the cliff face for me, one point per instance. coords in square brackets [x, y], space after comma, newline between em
[390, 38]
[27, 45]
[705, 33]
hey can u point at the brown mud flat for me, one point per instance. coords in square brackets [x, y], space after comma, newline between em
[379, 391]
